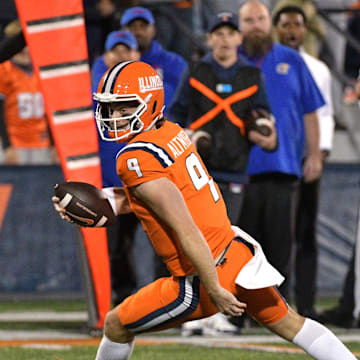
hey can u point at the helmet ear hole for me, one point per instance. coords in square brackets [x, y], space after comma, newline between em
[154, 107]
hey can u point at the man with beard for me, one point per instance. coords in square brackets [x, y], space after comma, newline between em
[269, 204]
[291, 26]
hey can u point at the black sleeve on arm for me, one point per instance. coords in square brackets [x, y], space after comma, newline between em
[3, 130]
[11, 46]
[179, 107]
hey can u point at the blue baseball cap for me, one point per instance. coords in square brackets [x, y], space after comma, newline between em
[223, 18]
[121, 37]
[137, 12]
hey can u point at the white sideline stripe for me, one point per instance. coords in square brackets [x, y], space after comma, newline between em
[39, 335]
[78, 164]
[69, 70]
[238, 339]
[73, 117]
[64, 202]
[46, 347]
[231, 341]
[43, 316]
[54, 25]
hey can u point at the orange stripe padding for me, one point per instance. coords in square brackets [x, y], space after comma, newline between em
[58, 50]
[75, 95]
[5, 192]
[221, 104]
[65, 92]
[42, 9]
[76, 130]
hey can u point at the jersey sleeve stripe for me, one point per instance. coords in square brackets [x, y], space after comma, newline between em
[186, 303]
[158, 152]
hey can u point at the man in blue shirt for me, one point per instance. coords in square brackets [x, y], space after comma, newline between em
[291, 24]
[268, 211]
[169, 65]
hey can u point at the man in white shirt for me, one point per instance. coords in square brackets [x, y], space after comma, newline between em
[290, 27]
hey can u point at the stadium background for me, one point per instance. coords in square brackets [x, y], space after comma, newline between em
[39, 255]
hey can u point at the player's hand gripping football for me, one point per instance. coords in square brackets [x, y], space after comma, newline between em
[227, 303]
[60, 210]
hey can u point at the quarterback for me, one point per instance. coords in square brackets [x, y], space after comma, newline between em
[214, 267]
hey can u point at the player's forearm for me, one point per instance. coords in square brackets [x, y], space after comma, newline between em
[312, 134]
[198, 252]
[166, 201]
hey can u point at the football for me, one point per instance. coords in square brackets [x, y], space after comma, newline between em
[85, 204]
[202, 142]
[259, 120]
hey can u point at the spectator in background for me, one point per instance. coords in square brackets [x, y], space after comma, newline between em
[291, 26]
[102, 17]
[170, 19]
[222, 140]
[269, 204]
[315, 33]
[347, 312]
[352, 55]
[12, 44]
[169, 65]
[25, 132]
[224, 73]
[343, 314]
[120, 46]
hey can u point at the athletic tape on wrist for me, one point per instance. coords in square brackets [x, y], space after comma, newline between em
[110, 195]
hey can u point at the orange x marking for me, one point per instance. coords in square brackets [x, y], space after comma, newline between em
[221, 104]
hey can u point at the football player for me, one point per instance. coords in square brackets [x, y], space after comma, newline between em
[214, 267]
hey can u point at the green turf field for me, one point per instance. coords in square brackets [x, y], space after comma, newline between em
[58, 351]
[148, 352]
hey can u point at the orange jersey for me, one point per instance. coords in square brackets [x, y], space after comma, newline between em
[23, 108]
[168, 152]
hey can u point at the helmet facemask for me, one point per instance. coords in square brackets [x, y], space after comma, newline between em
[109, 127]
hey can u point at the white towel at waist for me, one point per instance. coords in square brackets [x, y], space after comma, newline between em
[258, 273]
